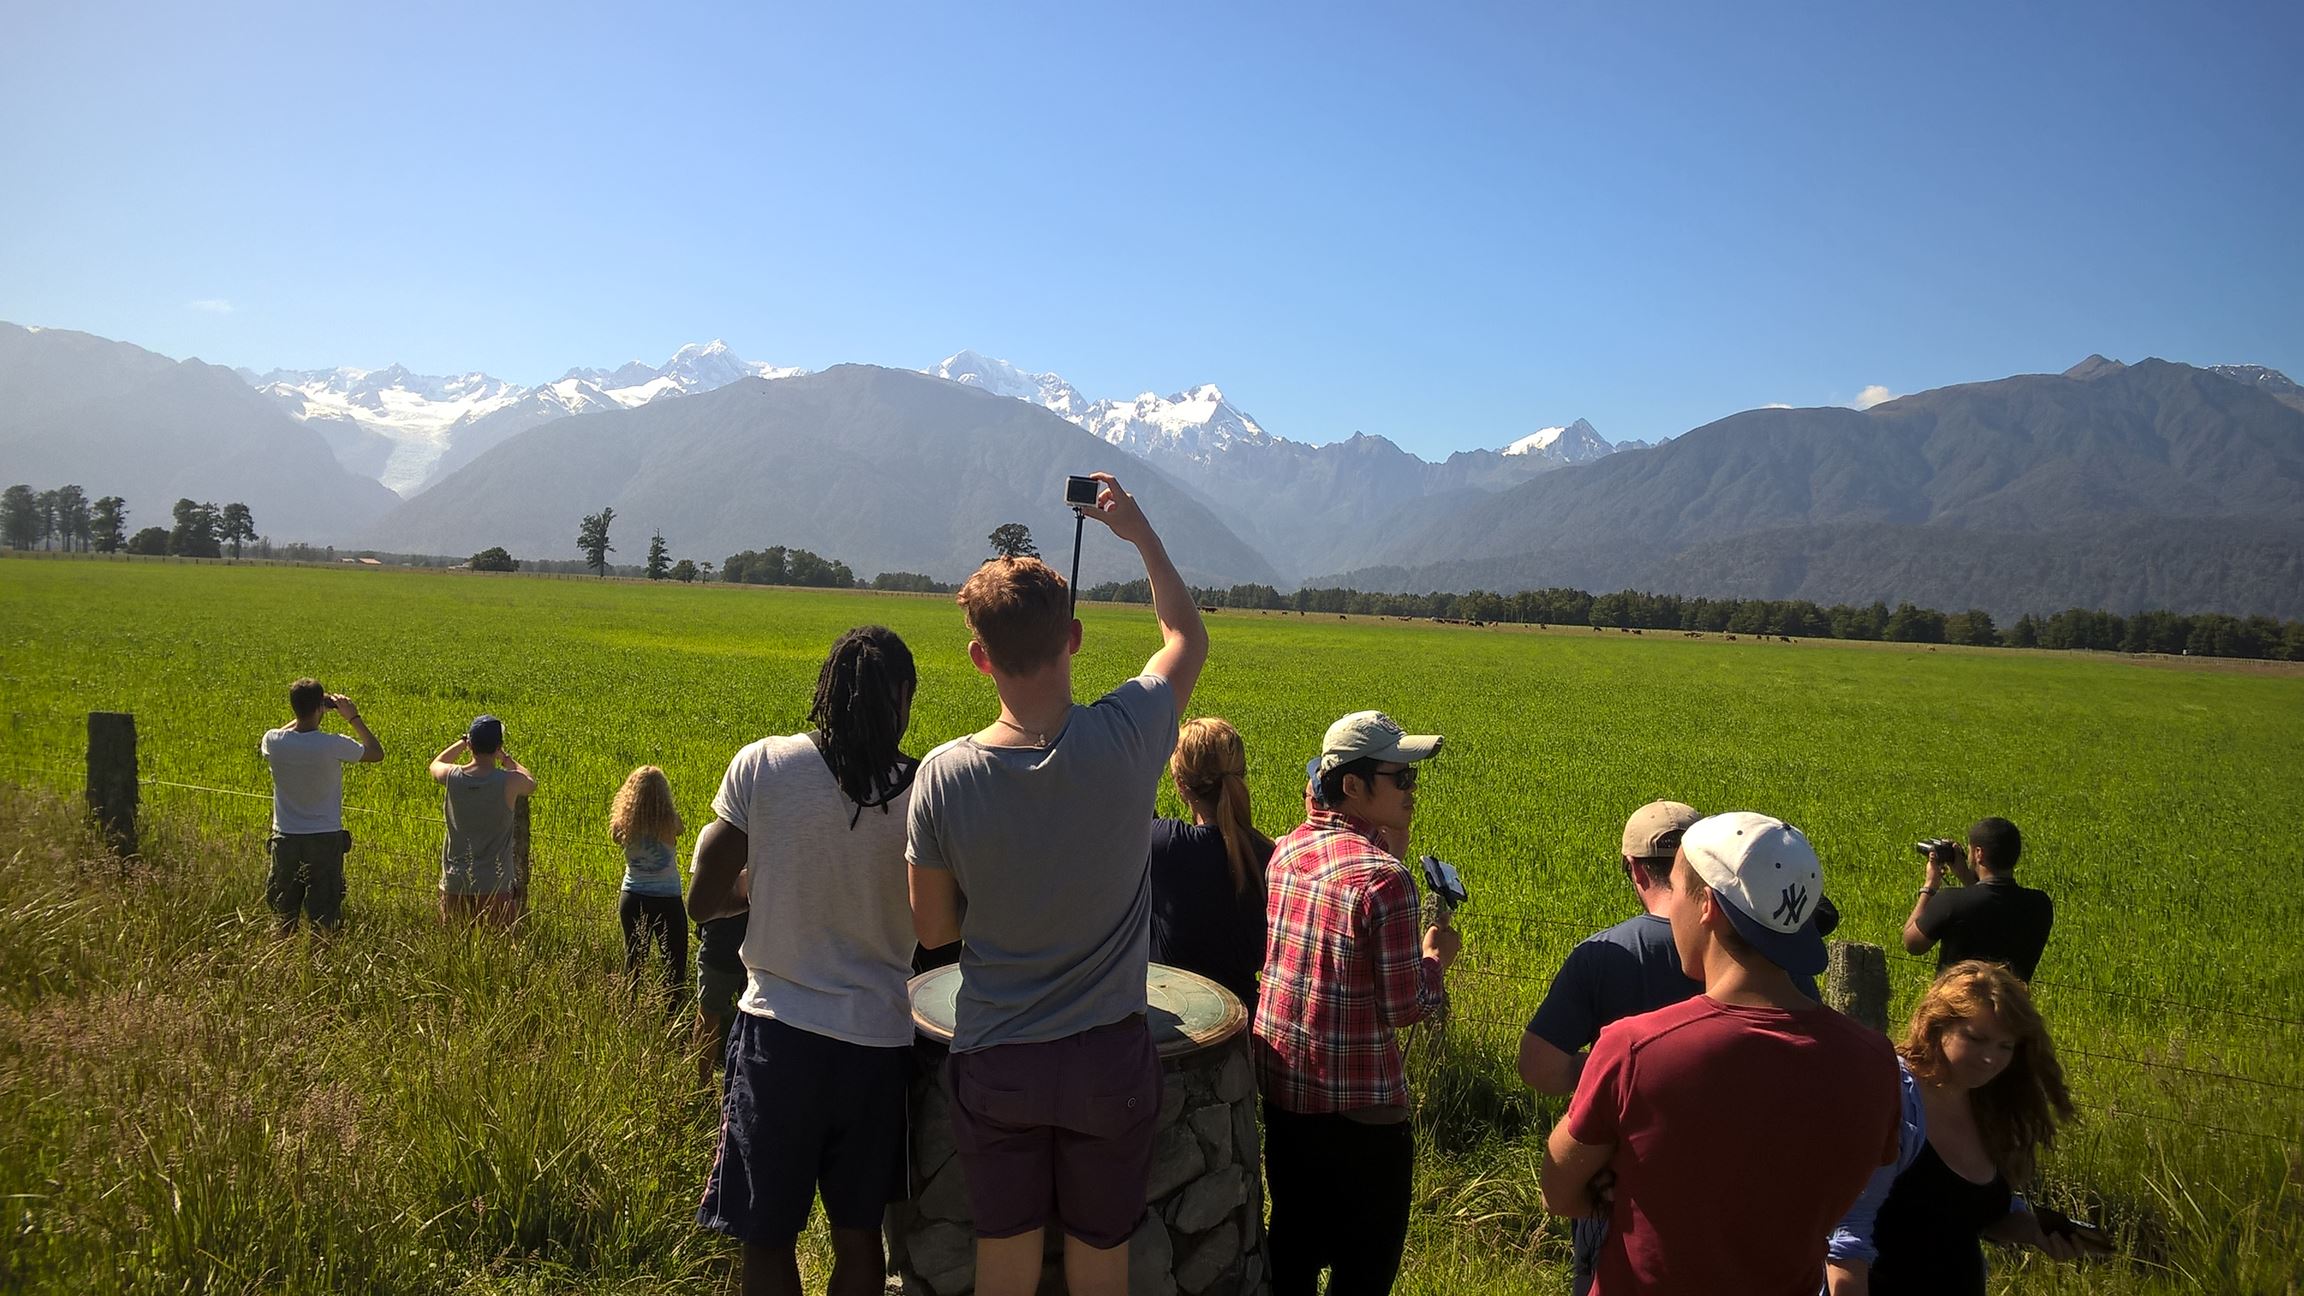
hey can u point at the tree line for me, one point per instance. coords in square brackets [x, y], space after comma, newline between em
[2199, 634]
[65, 518]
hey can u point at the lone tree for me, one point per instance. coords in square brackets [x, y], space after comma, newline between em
[496, 558]
[20, 516]
[1013, 540]
[592, 538]
[111, 524]
[659, 561]
[684, 571]
[235, 525]
[195, 533]
[151, 542]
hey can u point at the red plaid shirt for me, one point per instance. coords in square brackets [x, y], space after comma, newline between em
[1344, 968]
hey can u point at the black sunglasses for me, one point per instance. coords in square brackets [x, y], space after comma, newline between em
[1403, 778]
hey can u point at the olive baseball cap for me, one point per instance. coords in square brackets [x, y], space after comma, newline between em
[1653, 831]
[1371, 735]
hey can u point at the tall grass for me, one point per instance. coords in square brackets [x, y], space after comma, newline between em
[189, 1102]
[2161, 806]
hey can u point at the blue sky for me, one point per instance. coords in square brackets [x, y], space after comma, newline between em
[1448, 224]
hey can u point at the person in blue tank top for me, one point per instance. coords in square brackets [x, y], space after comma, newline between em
[647, 825]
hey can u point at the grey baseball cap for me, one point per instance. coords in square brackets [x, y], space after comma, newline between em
[1372, 735]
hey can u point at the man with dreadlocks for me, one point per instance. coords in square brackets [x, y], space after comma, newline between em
[1028, 845]
[814, 1102]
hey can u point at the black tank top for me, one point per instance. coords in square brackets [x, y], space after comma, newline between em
[1926, 1230]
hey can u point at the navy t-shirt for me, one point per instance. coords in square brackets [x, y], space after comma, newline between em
[1199, 922]
[1629, 969]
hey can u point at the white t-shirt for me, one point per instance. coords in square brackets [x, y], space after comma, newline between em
[828, 946]
[308, 778]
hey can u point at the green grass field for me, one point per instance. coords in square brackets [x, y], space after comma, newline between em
[169, 1073]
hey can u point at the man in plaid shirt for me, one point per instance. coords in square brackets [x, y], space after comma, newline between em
[1344, 969]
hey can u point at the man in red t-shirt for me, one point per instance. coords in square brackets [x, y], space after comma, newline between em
[1735, 1127]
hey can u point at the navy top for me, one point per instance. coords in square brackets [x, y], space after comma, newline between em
[1629, 969]
[1199, 923]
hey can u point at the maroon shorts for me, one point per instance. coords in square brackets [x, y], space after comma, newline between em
[1058, 1131]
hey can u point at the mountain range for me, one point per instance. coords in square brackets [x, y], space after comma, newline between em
[409, 430]
[124, 421]
[884, 469]
[2121, 486]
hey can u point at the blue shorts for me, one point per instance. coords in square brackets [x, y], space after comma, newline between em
[805, 1113]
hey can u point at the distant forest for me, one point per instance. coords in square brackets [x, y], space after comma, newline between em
[2198, 634]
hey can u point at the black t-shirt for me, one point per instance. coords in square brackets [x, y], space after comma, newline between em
[1997, 921]
[1199, 922]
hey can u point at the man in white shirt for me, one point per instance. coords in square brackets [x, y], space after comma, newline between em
[308, 838]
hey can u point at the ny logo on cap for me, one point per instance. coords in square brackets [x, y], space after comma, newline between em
[1794, 904]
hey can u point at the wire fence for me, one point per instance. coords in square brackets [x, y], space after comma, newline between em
[171, 806]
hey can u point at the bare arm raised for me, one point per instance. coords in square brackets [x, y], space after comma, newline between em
[1184, 649]
[371, 750]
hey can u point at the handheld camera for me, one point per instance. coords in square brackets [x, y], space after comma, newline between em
[1446, 885]
[1929, 846]
[1079, 493]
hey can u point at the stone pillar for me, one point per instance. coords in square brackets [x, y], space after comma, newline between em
[1203, 1230]
[1856, 982]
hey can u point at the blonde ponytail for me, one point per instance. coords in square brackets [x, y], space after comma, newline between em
[1210, 767]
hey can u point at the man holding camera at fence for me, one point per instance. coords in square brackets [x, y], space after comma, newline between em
[1028, 843]
[308, 837]
[1344, 971]
[1738, 1125]
[1988, 916]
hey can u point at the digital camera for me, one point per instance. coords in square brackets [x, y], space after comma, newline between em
[1441, 878]
[1080, 492]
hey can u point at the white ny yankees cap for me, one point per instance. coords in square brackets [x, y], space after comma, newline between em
[1767, 877]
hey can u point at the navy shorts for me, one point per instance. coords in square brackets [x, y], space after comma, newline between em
[805, 1113]
[1060, 1130]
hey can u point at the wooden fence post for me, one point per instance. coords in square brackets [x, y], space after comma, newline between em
[112, 777]
[1856, 982]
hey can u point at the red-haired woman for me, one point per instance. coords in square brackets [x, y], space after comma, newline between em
[1983, 1093]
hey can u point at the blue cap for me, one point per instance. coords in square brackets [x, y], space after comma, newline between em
[486, 734]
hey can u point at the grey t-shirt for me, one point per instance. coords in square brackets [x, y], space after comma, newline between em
[828, 943]
[1048, 847]
[308, 778]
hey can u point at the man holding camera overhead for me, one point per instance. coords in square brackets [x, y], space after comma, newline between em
[308, 838]
[1344, 971]
[1028, 843]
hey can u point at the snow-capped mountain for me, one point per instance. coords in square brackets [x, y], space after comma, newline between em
[2271, 382]
[1578, 442]
[1001, 378]
[1283, 495]
[407, 429]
